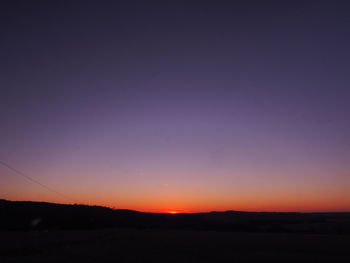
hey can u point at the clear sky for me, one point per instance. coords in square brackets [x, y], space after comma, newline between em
[177, 105]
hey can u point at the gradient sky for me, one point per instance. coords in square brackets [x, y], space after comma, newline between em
[177, 105]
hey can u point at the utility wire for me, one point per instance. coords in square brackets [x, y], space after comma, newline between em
[34, 181]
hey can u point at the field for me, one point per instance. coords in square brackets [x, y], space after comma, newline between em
[160, 245]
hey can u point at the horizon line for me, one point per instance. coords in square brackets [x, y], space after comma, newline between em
[180, 212]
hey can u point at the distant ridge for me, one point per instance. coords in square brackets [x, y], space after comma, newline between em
[27, 215]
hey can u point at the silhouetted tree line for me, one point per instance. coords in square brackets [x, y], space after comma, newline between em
[26, 216]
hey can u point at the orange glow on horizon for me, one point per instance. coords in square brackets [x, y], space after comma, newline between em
[172, 212]
[251, 200]
[340, 204]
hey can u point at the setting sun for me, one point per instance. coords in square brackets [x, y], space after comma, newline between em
[173, 212]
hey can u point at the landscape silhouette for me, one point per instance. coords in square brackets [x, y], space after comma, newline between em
[39, 231]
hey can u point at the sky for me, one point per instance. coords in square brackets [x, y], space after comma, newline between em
[184, 106]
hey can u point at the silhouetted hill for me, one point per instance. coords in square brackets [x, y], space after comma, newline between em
[21, 215]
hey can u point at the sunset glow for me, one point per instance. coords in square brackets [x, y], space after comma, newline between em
[173, 212]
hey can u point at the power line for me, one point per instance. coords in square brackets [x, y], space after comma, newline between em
[34, 181]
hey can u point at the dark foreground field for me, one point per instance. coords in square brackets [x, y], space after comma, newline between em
[46, 232]
[157, 245]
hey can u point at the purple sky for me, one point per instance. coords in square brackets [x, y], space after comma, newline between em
[170, 105]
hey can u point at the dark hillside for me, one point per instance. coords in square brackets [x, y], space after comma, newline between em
[44, 216]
